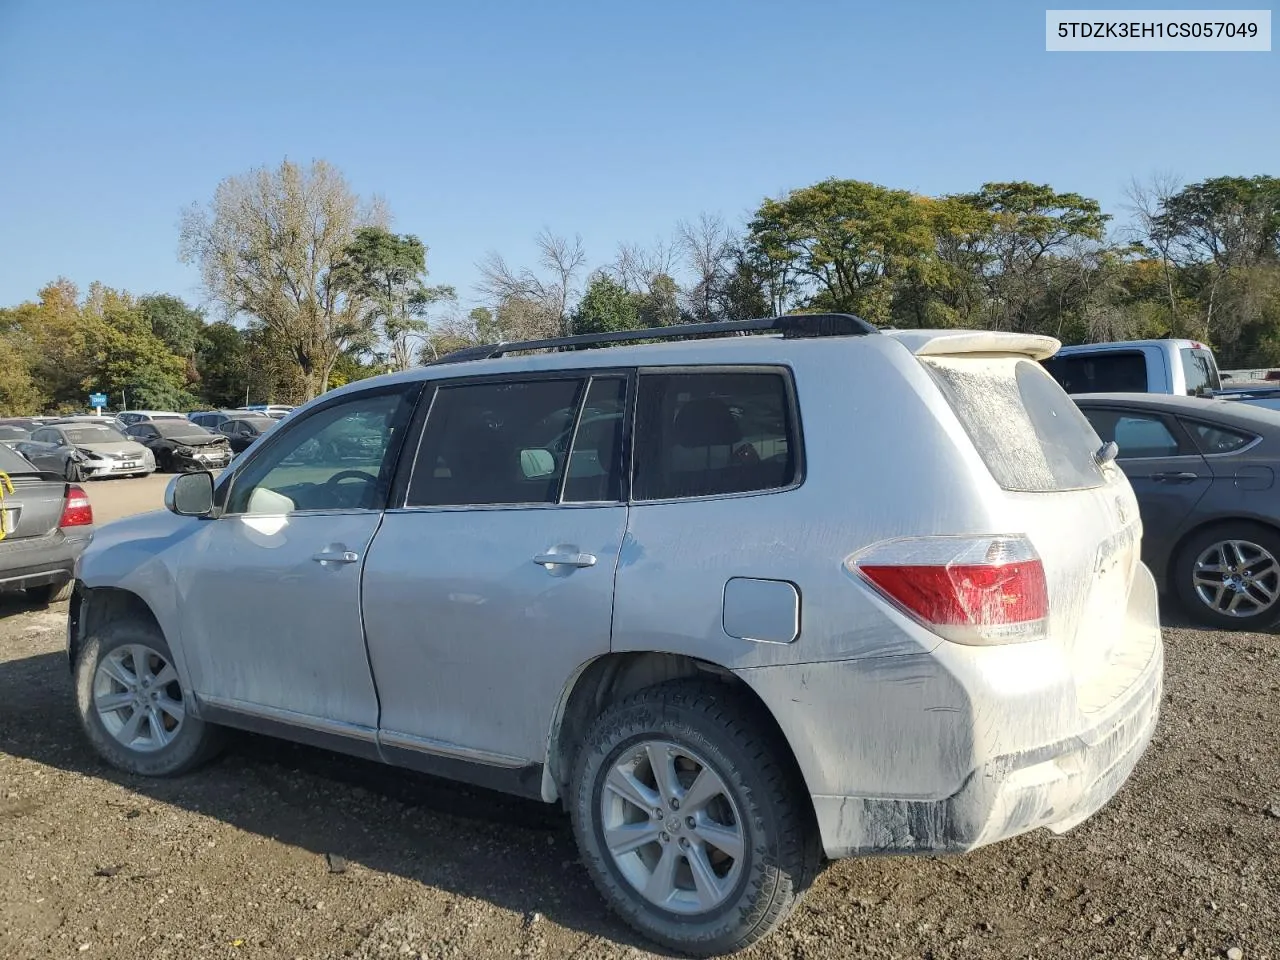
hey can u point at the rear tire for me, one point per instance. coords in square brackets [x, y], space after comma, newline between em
[132, 705]
[724, 869]
[1228, 576]
[50, 593]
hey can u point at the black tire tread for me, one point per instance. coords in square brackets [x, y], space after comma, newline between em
[797, 856]
[50, 592]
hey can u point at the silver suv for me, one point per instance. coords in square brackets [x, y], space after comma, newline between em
[736, 601]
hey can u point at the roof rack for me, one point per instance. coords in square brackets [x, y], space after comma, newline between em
[795, 325]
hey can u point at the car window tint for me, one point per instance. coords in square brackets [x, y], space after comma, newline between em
[1135, 434]
[1213, 439]
[313, 466]
[704, 434]
[595, 463]
[494, 443]
[1122, 372]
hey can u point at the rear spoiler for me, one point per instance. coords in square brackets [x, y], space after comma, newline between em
[941, 343]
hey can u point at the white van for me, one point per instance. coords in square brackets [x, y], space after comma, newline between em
[1184, 367]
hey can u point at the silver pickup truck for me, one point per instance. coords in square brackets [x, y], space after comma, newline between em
[1185, 367]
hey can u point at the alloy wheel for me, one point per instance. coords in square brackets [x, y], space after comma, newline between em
[1237, 578]
[138, 698]
[672, 827]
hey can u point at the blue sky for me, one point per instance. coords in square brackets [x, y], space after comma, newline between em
[481, 123]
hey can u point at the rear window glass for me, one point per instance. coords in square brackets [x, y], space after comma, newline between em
[1029, 433]
[1200, 371]
[12, 462]
[1124, 372]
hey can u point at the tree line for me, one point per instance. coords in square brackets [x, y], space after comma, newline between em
[311, 288]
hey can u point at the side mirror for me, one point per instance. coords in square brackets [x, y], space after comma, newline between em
[536, 464]
[190, 494]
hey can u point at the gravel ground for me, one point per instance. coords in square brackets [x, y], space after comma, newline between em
[282, 851]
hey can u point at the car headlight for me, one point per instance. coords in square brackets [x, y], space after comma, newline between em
[184, 451]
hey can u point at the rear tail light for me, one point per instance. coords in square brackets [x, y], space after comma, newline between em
[76, 509]
[975, 590]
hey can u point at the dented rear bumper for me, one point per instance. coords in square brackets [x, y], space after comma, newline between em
[952, 750]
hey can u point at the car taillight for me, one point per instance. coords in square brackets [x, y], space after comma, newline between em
[76, 509]
[975, 590]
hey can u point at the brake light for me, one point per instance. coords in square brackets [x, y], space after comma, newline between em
[76, 509]
[975, 590]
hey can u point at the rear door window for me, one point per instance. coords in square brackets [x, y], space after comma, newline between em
[1027, 431]
[1139, 435]
[1119, 372]
[713, 433]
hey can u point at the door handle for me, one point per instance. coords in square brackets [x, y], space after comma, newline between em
[336, 556]
[565, 560]
[1174, 477]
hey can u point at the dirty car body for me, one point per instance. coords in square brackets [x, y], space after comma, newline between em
[947, 643]
[106, 451]
[45, 524]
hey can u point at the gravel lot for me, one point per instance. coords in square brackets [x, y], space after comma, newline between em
[283, 851]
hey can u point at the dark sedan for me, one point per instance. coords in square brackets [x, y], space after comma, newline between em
[1205, 474]
[243, 431]
[181, 446]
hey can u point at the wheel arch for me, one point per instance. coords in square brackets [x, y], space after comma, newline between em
[600, 682]
[92, 607]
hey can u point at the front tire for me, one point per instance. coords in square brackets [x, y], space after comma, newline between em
[1228, 576]
[133, 707]
[691, 818]
[50, 593]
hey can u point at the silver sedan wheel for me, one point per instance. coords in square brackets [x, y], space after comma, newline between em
[672, 827]
[138, 698]
[1237, 578]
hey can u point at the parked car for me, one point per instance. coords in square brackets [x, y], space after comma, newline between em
[62, 460]
[1185, 367]
[1204, 472]
[129, 417]
[212, 419]
[243, 430]
[744, 619]
[108, 419]
[179, 445]
[107, 451]
[45, 524]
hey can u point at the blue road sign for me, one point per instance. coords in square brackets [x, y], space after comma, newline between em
[97, 399]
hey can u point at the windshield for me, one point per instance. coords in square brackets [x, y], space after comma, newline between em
[98, 433]
[179, 428]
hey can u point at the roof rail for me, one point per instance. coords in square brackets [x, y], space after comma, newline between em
[790, 326]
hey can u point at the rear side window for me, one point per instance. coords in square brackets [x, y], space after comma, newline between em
[1121, 372]
[714, 433]
[1200, 371]
[1214, 439]
[1029, 433]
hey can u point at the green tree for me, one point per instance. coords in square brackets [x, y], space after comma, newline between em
[845, 242]
[222, 357]
[388, 271]
[176, 324]
[130, 363]
[606, 307]
[660, 306]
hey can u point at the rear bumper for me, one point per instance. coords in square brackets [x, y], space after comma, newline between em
[948, 751]
[40, 560]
